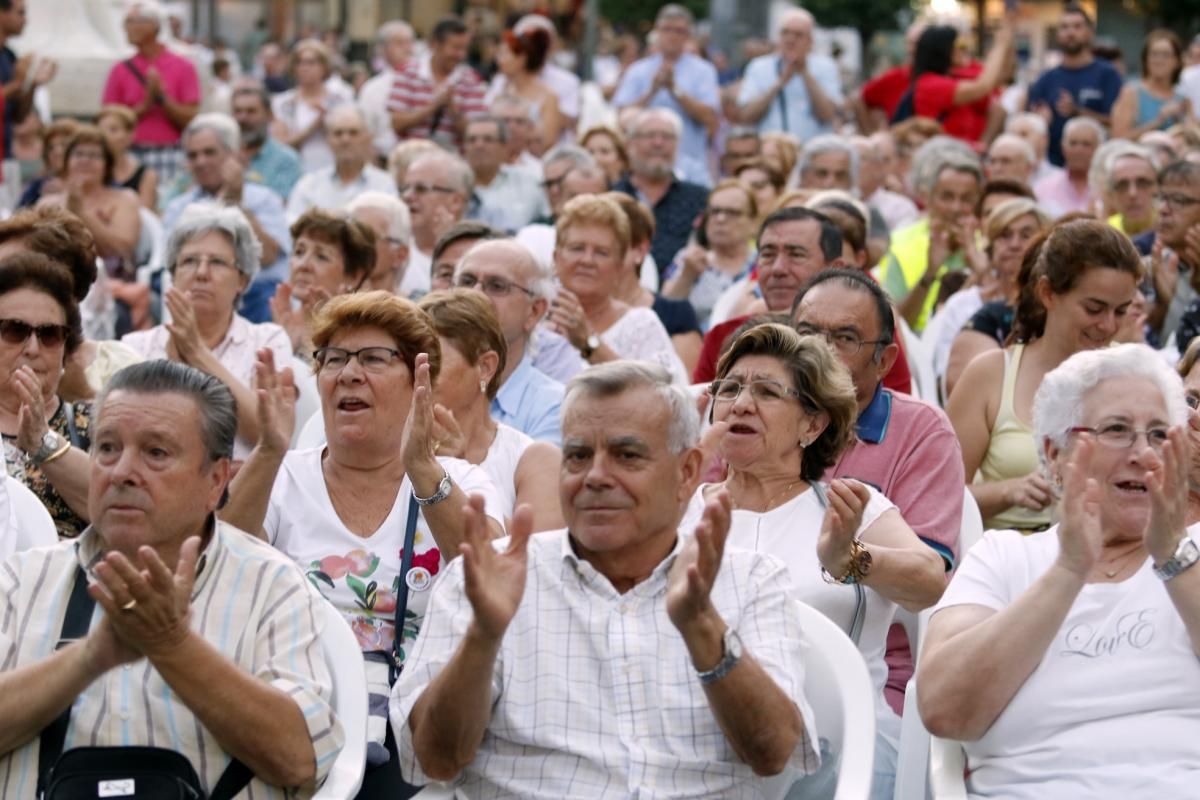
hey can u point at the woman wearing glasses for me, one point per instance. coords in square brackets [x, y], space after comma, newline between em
[342, 510]
[332, 254]
[1082, 281]
[1066, 661]
[45, 438]
[721, 254]
[212, 256]
[786, 409]
[474, 352]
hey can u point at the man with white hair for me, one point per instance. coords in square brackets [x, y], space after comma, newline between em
[351, 173]
[1033, 129]
[1132, 184]
[653, 136]
[211, 143]
[792, 90]
[516, 113]
[564, 83]
[519, 288]
[387, 215]
[506, 197]
[1010, 157]
[1067, 189]
[395, 43]
[437, 190]
[160, 87]
[876, 159]
[829, 162]
[674, 79]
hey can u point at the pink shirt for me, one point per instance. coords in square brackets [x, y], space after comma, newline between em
[179, 82]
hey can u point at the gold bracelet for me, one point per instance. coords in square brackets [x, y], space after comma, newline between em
[57, 454]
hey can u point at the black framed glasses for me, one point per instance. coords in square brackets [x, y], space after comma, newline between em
[371, 359]
[1119, 436]
[15, 331]
[490, 285]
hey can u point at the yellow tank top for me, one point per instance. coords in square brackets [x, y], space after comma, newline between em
[1012, 451]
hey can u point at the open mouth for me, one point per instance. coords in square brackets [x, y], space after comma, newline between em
[1132, 487]
[742, 430]
[352, 404]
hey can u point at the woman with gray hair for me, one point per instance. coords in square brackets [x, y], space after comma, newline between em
[212, 256]
[1066, 661]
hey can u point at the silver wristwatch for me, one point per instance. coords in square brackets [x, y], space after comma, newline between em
[443, 491]
[50, 444]
[1186, 555]
[731, 643]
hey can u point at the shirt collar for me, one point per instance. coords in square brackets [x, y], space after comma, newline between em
[873, 421]
[589, 574]
[510, 393]
[90, 548]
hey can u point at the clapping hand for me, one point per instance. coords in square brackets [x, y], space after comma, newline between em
[1080, 538]
[1164, 270]
[567, 319]
[690, 582]
[277, 395]
[1032, 492]
[494, 582]
[448, 438]
[843, 517]
[148, 606]
[31, 418]
[1167, 483]
[185, 344]
[417, 444]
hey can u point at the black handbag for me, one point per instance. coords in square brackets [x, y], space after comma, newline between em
[140, 773]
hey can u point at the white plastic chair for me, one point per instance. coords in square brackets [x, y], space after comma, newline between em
[344, 658]
[155, 236]
[308, 406]
[920, 364]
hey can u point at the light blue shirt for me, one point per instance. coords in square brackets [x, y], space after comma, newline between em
[761, 75]
[266, 207]
[530, 401]
[695, 78]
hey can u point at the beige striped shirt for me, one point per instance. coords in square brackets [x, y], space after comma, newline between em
[249, 601]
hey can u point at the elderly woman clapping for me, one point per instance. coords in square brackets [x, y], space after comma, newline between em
[786, 404]
[1066, 661]
[212, 256]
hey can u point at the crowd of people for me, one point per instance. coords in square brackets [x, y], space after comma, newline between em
[562, 396]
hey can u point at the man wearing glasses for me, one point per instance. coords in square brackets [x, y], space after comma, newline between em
[1174, 250]
[510, 277]
[684, 83]
[436, 189]
[509, 197]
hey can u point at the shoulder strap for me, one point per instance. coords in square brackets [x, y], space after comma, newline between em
[137, 73]
[237, 776]
[782, 97]
[860, 596]
[75, 626]
[410, 533]
[72, 428]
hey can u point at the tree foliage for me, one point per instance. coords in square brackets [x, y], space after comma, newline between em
[637, 15]
[868, 16]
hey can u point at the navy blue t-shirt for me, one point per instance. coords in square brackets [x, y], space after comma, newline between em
[1094, 87]
[8, 65]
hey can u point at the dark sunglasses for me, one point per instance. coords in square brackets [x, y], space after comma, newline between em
[15, 331]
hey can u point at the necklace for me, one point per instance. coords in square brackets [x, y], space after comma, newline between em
[773, 500]
[1121, 559]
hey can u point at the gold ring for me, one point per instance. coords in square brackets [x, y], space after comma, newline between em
[130, 605]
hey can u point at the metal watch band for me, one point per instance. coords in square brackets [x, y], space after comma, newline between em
[1186, 556]
[443, 491]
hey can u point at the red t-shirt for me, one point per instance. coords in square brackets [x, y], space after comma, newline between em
[898, 379]
[934, 97]
[885, 91]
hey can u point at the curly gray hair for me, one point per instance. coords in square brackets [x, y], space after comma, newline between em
[201, 218]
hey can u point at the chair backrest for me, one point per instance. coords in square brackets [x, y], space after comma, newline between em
[308, 405]
[972, 524]
[920, 364]
[345, 661]
[155, 236]
[838, 688]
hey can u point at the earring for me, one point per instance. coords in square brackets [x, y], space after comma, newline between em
[482, 386]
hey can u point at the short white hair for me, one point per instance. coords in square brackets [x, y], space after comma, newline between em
[147, 9]
[802, 14]
[1027, 151]
[204, 217]
[223, 126]
[1085, 122]
[651, 114]
[1036, 120]
[540, 282]
[615, 378]
[1058, 404]
[1113, 152]
[393, 28]
[830, 143]
[938, 155]
[457, 169]
[399, 221]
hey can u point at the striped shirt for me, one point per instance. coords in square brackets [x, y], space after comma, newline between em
[414, 88]
[249, 602]
[593, 691]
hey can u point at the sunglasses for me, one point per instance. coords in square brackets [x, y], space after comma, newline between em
[14, 331]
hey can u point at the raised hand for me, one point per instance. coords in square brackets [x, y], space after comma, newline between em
[1167, 483]
[293, 320]
[31, 419]
[448, 438]
[843, 517]
[1164, 270]
[417, 444]
[148, 606]
[1080, 539]
[277, 395]
[567, 319]
[690, 583]
[494, 582]
[1032, 492]
[185, 342]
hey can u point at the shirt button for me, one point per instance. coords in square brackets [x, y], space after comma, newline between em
[125, 715]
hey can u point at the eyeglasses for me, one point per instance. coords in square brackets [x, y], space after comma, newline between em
[481, 139]
[1119, 436]
[15, 331]
[1176, 200]
[424, 188]
[192, 264]
[729, 213]
[491, 286]
[1141, 184]
[667, 136]
[728, 390]
[846, 342]
[371, 359]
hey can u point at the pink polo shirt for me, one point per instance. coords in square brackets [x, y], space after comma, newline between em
[179, 82]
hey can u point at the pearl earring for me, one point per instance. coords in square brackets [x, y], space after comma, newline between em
[482, 386]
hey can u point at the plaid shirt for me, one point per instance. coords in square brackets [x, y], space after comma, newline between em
[414, 88]
[249, 601]
[594, 694]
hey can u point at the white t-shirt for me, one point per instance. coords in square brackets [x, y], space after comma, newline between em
[24, 521]
[501, 464]
[790, 533]
[1112, 710]
[360, 575]
[948, 322]
[416, 281]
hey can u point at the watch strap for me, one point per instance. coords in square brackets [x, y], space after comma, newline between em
[1186, 556]
[731, 645]
[443, 491]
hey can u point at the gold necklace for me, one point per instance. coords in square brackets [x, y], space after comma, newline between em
[1110, 574]
[771, 503]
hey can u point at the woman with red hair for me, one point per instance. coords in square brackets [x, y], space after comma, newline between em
[519, 62]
